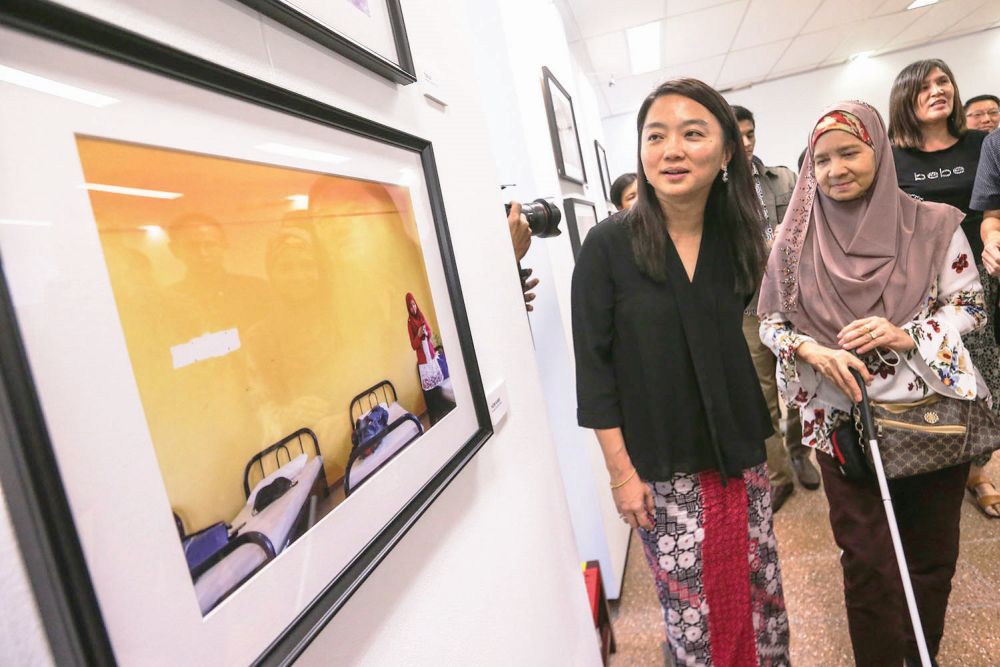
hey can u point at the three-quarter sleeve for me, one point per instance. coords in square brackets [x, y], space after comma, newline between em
[593, 307]
[986, 193]
[940, 357]
[797, 383]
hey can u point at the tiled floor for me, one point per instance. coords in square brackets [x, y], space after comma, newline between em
[814, 594]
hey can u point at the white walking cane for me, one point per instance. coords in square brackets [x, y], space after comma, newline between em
[890, 515]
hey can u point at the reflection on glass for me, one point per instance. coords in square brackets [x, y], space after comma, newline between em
[267, 337]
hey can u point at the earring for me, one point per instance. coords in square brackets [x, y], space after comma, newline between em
[725, 173]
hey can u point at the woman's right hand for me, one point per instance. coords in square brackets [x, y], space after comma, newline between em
[634, 501]
[835, 365]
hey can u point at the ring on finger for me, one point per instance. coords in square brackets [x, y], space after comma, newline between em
[873, 335]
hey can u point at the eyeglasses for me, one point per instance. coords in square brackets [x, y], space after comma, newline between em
[992, 113]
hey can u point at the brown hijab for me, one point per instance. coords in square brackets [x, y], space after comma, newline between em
[878, 255]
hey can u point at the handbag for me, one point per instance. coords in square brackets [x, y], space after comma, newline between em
[922, 436]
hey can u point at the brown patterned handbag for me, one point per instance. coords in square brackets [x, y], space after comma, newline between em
[934, 433]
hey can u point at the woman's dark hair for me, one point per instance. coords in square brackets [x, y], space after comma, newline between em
[904, 128]
[733, 209]
[618, 188]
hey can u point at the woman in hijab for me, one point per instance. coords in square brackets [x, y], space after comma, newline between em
[431, 374]
[862, 276]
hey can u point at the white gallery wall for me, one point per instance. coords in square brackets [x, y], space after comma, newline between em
[510, 75]
[490, 574]
[785, 109]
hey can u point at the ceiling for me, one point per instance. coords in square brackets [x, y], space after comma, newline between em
[734, 43]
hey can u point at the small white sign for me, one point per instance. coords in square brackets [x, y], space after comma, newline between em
[432, 84]
[496, 399]
[206, 346]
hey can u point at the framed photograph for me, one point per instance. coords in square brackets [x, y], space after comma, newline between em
[235, 361]
[563, 130]
[369, 32]
[602, 166]
[581, 216]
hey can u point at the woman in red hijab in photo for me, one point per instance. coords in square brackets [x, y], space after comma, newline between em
[862, 276]
[432, 378]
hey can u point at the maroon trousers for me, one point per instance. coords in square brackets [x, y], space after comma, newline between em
[927, 511]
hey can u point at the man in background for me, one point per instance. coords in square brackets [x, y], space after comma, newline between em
[774, 187]
[983, 113]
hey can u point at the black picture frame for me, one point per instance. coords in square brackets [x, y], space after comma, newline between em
[554, 93]
[402, 72]
[36, 498]
[570, 205]
[602, 167]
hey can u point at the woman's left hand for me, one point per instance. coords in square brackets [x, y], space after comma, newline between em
[864, 335]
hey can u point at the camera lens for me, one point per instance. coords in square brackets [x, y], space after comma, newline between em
[543, 218]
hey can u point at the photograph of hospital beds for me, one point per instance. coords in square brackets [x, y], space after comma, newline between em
[268, 320]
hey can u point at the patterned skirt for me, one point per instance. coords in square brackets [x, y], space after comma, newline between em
[715, 562]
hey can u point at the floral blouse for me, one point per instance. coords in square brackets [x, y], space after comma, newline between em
[939, 363]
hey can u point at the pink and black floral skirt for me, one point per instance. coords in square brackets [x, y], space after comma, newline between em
[715, 562]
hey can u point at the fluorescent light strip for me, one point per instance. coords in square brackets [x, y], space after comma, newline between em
[863, 55]
[644, 49]
[132, 192]
[917, 4]
[25, 223]
[304, 153]
[50, 87]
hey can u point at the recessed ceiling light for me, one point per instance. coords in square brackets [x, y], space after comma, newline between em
[304, 153]
[154, 232]
[132, 192]
[917, 4]
[42, 85]
[644, 49]
[299, 202]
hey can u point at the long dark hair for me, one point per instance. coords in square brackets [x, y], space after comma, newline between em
[733, 208]
[904, 128]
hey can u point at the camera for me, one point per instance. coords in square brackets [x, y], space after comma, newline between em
[543, 218]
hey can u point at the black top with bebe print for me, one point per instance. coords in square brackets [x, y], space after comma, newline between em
[945, 176]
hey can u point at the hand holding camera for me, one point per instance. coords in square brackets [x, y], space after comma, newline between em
[539, 218]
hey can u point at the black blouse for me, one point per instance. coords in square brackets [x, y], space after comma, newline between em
[667, 362]
[945, 176]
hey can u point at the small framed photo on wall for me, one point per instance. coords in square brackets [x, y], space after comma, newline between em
[563, 130]
[581, 217]
[602, 166]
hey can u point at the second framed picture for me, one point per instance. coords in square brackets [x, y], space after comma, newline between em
[602, 166]
[563, 129]
[581, 217]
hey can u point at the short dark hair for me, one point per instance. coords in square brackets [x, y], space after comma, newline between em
[742, 113]
[732, 209]
[982, 98]
[904, 129]
[618, 188]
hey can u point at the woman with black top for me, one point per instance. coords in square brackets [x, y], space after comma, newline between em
[936, 160]
[665, 379]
